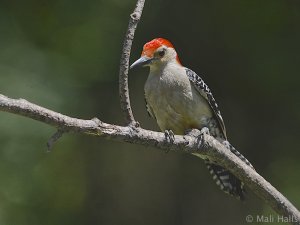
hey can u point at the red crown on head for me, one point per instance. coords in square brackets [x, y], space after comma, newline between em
[151, 46]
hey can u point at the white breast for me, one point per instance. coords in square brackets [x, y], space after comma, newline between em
[176, 104]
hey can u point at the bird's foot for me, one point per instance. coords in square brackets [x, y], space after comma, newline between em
[169, 137]
[193, 132]
[204, 130]
[198, 134]
[201, 141]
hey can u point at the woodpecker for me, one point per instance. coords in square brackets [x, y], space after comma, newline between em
[179, 100]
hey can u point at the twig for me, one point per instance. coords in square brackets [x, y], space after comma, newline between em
[124, 63]
[208, 146]
[54, 138]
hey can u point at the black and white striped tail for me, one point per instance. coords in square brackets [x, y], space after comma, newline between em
[228, 183]
[226, 180]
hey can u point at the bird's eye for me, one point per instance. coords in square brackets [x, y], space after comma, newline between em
[162, 52]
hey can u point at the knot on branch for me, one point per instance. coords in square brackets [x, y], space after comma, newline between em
[134, 16]
[98, 122]
[134, 128]
[54, 138]
[134, 124]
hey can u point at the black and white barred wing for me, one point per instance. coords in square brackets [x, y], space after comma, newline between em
[203, 89]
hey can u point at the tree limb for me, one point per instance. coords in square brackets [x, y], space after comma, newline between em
[206, 146]
[124, 63]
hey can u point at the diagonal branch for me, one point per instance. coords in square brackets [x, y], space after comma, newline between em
[124, 63]
[208, 147]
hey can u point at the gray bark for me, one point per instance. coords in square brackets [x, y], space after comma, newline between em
[206, 146]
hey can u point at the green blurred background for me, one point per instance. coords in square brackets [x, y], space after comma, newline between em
[64, 55]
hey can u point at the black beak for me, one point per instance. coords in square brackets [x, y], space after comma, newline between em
[143, 61]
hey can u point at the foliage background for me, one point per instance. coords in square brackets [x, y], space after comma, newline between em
[64, 55]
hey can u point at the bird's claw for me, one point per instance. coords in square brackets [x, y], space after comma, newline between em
[193, 132]
[204, 130]
[169, 137]
[198, 134]
[201, 141]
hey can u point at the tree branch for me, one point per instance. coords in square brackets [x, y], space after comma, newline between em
[124, 63]
[206, 146]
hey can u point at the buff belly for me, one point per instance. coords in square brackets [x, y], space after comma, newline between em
[177, 106]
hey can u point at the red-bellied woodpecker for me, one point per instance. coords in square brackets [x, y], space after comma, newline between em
[179, 100]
